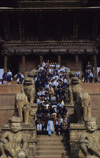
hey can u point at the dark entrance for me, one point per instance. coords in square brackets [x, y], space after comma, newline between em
[51, 58]
[13, 63]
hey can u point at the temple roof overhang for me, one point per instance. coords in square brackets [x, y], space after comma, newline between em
[45, 6]
[47, 48]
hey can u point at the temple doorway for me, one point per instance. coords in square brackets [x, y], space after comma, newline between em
[51, 58]
[85, 59]
[13, 63]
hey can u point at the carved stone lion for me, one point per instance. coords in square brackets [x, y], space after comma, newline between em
[74, 89]
[29, 89]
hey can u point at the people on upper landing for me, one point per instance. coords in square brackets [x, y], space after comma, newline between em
[9, 76]
[77, 73]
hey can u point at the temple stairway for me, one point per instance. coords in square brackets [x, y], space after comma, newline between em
[52, 146]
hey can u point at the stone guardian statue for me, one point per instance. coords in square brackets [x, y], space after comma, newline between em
[14, 142]
[90, 140]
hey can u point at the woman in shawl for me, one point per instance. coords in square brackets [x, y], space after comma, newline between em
[50, 127]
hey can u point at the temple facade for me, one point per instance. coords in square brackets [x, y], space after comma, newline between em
[63, 31]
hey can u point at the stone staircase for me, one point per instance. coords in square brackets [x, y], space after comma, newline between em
[52, 146]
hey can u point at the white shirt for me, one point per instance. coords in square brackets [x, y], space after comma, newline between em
[65, 81]
[22, 76]
[39, 127]
[9, 73]
[35, 79]
[91, 74]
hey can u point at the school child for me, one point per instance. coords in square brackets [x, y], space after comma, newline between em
[44, 129]
[59, 128]
[50, 127]
[64, 128]
[39, 128]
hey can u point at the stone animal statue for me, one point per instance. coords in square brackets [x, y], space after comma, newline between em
[90, 139]
[14, 143]
[29, 88]
[84, 99]
[78, 111]
[74, 88]
[21, 101]
[32, 73]
[23, 107]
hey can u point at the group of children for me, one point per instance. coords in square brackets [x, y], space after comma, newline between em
[8, 77]
[50, 83]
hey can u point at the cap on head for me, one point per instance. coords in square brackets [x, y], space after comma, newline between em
[15, 119]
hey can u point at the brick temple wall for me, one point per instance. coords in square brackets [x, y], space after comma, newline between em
[94, 92]
[7, 101]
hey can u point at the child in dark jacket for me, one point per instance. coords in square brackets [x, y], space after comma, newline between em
[59, 129]
[44, 129]
[64, 128]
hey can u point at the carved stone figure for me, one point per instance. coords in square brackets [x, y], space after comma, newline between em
[14, 142]
[90, 140]
[29, 88]
[78, 111]
[82, 107]
[32, 73]
[74, 88]
[21, 101]
[84, 98]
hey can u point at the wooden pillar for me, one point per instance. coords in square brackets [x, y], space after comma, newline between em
[59, 59]
[95, 65]
[23, 64]
[5, 63]
[76, 62]
[41, 59]
[6, 27]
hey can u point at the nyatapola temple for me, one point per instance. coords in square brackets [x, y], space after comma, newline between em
[62, 31]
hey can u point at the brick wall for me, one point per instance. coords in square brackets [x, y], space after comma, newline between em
[7, 101]
[94, 92]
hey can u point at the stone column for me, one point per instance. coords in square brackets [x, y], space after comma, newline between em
[41, 59]
[5, 63]
[23, 64]
[95, 65]
[76, 62]
[59, 59]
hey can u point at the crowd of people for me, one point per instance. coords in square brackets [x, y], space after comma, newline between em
[7, 77]
[50, 83]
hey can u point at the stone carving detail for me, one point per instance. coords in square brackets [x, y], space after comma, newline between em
[90, 140]
[74, 88]
[29, 88]
[14, 142]
[82, 107]
[24, 109]
[21, 102]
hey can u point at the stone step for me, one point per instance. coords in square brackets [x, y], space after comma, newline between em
[52, 136]
[52, 143]
[58, 138]
[53, 146]
[51, 156]
[51, 152]
[50, 147]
